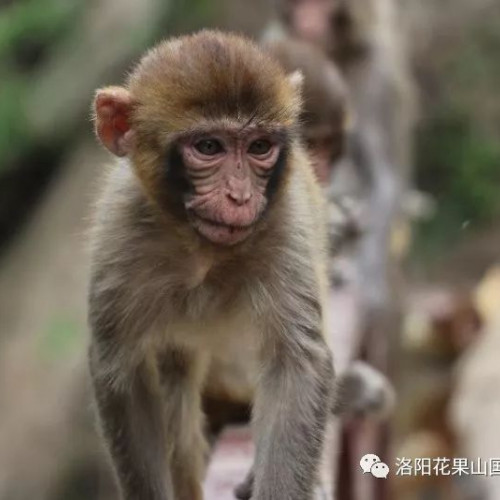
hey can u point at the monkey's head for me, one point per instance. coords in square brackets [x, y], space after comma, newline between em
[325, 112]
[339, 27]
[208, 122]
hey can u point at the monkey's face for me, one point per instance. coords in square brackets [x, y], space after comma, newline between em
[207, 122]
[336, 26]
[230, 172]
[324, 150]
[310, 19]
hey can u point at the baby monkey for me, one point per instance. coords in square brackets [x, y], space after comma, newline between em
[208, 269]
[325, 112]
[326, 121]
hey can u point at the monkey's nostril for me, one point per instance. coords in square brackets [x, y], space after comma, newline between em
[341, 21]
[239, 198]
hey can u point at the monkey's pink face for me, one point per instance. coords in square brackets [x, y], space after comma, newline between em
[231, 178]
[310, 19]
[324, 23]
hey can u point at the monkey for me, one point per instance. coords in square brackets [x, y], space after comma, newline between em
[325, 113]
[363, 391]
[325, 126]
[326, 122]
[208, 250]
[362, 38]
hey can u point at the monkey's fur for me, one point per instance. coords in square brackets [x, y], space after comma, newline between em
[176, 314]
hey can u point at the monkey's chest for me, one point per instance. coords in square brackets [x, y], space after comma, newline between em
[232, 373]
[229, 344]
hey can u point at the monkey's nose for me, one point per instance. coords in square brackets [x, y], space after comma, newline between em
[239, 191]
[240, 197]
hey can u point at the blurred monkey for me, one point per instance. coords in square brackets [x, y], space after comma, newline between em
[326, 110]
[363, 39]
[326, 121]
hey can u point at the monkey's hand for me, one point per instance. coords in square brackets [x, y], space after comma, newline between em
[363, 391]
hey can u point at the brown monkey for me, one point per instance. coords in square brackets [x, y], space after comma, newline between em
[362, 38]
[208, 269]
[325, 112]
[325, 127]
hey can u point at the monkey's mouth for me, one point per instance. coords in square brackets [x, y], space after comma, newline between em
[220, 233]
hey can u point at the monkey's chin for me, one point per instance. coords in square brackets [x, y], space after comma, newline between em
[221, 234]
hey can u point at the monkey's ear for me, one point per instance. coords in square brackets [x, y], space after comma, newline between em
[296, 81]
[112, 106]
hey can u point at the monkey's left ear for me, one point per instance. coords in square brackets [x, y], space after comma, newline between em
[296, 80]
[112, 106]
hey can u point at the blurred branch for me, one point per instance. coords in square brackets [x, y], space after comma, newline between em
[110, 34]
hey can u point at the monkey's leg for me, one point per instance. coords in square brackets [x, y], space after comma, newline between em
[291, 409]
[132, 425]
[181, 375]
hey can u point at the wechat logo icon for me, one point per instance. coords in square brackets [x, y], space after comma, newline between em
[371, 464]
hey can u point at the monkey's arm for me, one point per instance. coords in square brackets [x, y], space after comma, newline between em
[361, 392]
[381, 154]
[132, 426]
[148, 400]
[293, 400]
[382, 200]
[136, 405]
[123, 372]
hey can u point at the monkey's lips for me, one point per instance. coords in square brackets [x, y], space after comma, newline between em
[220, 233]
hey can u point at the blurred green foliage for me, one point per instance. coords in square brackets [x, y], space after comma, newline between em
[32, 24]
[28, 29]
[458, 146]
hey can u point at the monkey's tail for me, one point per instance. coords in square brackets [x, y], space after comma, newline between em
[363, 391]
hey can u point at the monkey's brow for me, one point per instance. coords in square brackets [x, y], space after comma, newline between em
[249, 126]
[248, 122]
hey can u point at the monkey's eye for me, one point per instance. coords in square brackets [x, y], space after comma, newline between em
[260, 147]
[311, 143]
[342, 20]
[209, 147]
